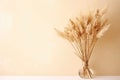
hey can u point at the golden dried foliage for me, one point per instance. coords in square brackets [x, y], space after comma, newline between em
[83, 32]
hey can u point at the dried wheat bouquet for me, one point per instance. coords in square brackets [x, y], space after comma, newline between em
[83, 33]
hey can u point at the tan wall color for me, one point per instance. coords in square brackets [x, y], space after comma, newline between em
[30, 46]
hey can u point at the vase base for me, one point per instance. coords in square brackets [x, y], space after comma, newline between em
[86, 73]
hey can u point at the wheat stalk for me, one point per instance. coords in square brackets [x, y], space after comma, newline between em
[84, 32]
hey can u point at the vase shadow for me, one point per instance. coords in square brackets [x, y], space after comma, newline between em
[105, 58]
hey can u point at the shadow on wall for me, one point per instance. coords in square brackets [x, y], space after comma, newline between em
[106, 56]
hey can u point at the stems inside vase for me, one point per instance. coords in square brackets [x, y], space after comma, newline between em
[86, 72]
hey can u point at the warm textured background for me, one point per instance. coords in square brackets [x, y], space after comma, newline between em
[30, 46]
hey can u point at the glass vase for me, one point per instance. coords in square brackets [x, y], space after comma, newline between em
[85, 71]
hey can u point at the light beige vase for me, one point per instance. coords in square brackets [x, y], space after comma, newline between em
[86, 71]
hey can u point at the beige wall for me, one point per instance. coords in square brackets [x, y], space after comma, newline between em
[30, 46]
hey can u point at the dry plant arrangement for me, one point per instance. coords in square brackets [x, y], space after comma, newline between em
[83, 33]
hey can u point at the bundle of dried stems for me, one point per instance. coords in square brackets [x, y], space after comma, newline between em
[83, 33]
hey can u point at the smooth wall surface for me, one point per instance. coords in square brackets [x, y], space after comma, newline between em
[30, 46]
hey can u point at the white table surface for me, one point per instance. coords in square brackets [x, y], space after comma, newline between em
[57, 78]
